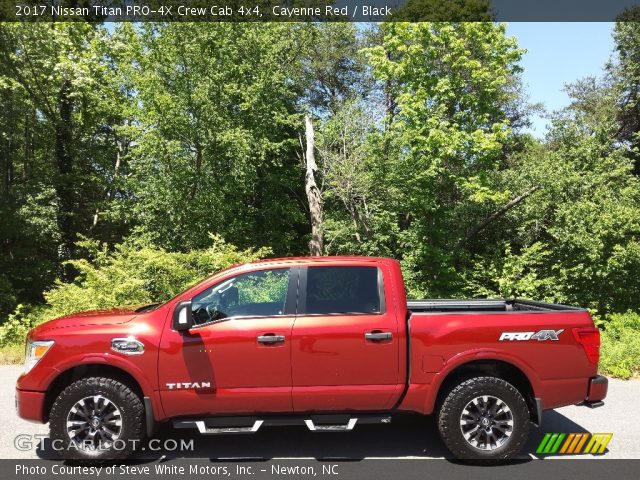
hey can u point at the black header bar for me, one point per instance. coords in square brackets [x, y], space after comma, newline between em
[319, 10]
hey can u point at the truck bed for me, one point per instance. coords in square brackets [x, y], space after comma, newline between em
[484, 305]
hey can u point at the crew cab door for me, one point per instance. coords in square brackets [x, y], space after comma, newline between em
[345, 340]
[237, 357]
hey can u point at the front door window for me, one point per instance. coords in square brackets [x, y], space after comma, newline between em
[254, 294]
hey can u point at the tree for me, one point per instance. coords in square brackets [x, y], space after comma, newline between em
[333, 75]
[316, 243]
[61, 72]
[626, 74]
[217, 138]
[53, 77]
[353, 172]
[449, 132]
[333, 70]
[576, 240]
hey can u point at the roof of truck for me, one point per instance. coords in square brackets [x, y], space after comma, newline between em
[328, 258]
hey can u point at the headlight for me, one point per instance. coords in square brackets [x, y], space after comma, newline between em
[35, 351]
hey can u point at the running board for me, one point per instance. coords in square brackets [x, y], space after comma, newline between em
[315, 423]
[204, 430]
[331, 428]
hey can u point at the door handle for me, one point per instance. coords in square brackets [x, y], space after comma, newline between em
[270, 338]
[378, 336]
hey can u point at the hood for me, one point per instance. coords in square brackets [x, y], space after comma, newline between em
[111, 316]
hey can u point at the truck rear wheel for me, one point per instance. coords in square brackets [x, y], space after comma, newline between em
[96, 418]
[484, 418]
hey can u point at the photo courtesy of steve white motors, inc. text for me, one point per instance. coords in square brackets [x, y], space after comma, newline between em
[135, 471]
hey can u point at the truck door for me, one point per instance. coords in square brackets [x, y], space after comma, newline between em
[237, 358]
[345, 340]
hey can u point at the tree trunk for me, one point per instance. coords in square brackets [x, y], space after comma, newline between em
[391, 104]
[313, 193]
[64, 183]
[111, 188]
[198, 168]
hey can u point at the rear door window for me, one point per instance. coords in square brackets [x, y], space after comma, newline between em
[346, 290]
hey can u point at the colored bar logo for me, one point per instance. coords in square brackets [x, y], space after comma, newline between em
[574, 443]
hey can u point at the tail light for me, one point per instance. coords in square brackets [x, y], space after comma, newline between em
[589, 338]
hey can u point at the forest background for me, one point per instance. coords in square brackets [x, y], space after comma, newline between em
[136, 159]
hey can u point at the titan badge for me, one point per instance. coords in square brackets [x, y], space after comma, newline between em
[187, 385]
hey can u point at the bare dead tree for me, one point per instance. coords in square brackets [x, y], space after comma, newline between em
[313, 192]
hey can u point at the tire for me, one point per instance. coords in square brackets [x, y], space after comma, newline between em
[484, 418]
[118, 430]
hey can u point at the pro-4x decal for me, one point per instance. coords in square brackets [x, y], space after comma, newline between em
[540, 335]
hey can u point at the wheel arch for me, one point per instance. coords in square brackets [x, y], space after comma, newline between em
[488, 367]
[85, 370]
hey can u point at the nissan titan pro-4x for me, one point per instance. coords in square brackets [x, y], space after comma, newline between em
[328, 343]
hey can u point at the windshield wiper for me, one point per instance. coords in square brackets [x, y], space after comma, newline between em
[147, 308]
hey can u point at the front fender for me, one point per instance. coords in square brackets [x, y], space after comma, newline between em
[44, 377]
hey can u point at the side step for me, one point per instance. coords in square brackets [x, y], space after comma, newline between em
[204, 430]
[331, 428]
[315, 423]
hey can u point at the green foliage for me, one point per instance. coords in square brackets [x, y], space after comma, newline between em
[7, 294]
[508, 275]
[215, 142]
[112, 132]
[57, 148]
[14, 330]
[145, 139]
[355, 192]
[139, 274]
[620, 345]
[333, 69]
[576, 240]
[261, 287]
[446, 132]
[131, 274]
[437, 11]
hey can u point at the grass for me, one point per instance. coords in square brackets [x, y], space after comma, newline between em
[620, 354]
[12, 355]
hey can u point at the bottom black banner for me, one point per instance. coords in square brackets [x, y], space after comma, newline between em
[379, 469]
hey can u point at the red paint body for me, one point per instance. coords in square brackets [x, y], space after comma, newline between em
[324, 364]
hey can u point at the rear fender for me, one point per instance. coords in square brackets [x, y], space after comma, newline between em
[472, 356]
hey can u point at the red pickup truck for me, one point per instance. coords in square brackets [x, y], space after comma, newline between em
[329, 343]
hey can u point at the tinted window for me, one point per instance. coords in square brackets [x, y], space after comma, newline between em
[342, 290]
[253, 294]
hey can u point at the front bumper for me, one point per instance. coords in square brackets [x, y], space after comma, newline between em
[597, 390]
[29, 405]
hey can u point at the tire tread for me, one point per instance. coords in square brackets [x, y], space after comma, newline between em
[88, 386]
[449, 427]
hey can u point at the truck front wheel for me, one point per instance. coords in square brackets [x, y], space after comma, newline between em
[484, 418]
[96, 418]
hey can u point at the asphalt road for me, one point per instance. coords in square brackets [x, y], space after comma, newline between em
[410, 437]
